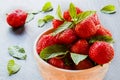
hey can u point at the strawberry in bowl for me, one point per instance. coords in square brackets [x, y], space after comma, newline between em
[76, 48]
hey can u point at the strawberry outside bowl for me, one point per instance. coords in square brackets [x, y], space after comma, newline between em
[50, 72]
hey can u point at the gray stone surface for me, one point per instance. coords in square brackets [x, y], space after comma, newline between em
[26, 38]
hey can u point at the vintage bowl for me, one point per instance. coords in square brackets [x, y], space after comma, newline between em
[50, 72]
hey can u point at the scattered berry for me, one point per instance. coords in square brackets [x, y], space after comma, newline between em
[101, 52]
[80, 47]
[56, 62]
[56, 23]
[16, 18]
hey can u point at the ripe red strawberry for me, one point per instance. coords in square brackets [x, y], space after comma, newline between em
[80, 47]
[85, 64]
[16, 18]
[67, 16]
[67, 37]
[56, 62]
[103, 32]
[95, 19]
[101, 52]
[86, 28]
[45, 41]
[56, 23]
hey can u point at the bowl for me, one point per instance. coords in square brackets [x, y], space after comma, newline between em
[50, 72]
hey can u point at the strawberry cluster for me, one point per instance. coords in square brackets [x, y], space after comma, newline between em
[84, 37]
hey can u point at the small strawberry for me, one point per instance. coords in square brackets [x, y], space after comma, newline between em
[16, 18]
[101, 52]
[67, 37]
[56, 23]
[86, 28]
[80, 47]
[95, 19]
[56, 62]
[85, 64]
[67, 16]
[45, 41]
[103, 32]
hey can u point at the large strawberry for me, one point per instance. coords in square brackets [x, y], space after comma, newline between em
[67, 16]
[56, 23]
[80, 47]
[101, 52]
[45, 41]
[16, 18]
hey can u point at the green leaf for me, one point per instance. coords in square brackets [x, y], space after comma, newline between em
[34, 12]
[62, 27]
[78, 57]
[73, 12]
[84, 15]
[109, 9]
[59, 13]
[47, 7]
[53, 51]
[41, 23]
[12, 67]
[17, 52]
[48, 18]
[30, 17]
[108, 39]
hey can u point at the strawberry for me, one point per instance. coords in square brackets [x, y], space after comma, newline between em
[56, 23]
[103, 32]
[101, 52]
[45, 41]
[67, 37]
[85, 64]
[80, 47]
[56, 62]
[16, 18]
[67, 16]
[86, 28]
[95, 19]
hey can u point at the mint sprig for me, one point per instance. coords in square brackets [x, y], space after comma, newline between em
[109, 9]
[47, 7]
[59, 13]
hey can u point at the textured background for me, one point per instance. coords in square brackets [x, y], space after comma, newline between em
[26, 37]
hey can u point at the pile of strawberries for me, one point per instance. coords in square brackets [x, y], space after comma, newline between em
[77, 39]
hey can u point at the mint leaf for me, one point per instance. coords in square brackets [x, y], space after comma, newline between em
[59, 13]
[78, 57]
[41, 23]
[47, 7]
[73, 12]
[53, 51]
[108, 39]
[30, 17]
[17, 52]
[109, 9]
[12, 67]
[84, 15]
[48, 18]
[62, 27]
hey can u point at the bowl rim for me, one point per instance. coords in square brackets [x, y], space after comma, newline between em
[65, 70]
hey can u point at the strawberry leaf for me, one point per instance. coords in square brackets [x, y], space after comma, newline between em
[12, 67]
[78, 57]
[53, 51]
[48, 18]
[41, 23]
[73, 12]
[101, 38]
[30, 17]
[59, 13]
[109, 9]
[17, 52]
[47, 7]
[84, 15]
[62, 27]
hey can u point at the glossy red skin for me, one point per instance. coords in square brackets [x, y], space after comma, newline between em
[67, 37]
[81, 47]
[85, 64]
[103, 32]
[45, 41]
[101, 52]
[16, 18]
[56, 62]
[56, 23]
[95, 19]
[66, 14]
[86, 28]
